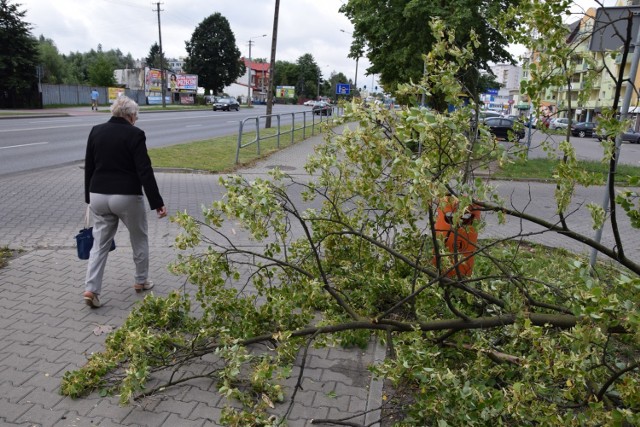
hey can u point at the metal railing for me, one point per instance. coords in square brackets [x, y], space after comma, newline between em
[259, 122]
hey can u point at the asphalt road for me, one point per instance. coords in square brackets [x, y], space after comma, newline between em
[586, 148]
[33, 143]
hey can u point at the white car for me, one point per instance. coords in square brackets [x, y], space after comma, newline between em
[310, 103]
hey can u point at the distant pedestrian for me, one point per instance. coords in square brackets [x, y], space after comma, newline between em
[94, 99]
[117, 168]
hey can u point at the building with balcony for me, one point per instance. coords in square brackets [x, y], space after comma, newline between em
[254, 82]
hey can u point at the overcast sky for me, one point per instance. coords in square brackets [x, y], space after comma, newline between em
[305, 26]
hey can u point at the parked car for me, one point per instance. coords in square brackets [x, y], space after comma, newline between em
[583, 129]
[505, 128]
[534, 122]
[485, 114]
[559, 123]
[630, 136]
[226, 104]
[310, 103]
[322, 108]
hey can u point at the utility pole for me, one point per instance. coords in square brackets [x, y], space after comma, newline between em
[272, 65]
[249, 69]
[162, 79]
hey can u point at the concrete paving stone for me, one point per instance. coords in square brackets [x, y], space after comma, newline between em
[11, 411]
[337, 414]
[41, 397]
[106, 422]
[73, 419]
[18, 362]
[47, 382]
[110, 409]
[331, 401]
[312, 374]
[145, 418]
[41, 365]
[355, 378]
[201, 394]
[358, 404]
[75, 324]
[71, 343]
[345, 390]
[16, 377]
[302, 397]
[175, 420]
[26, 349]
[17, 298]
[320, 362]
[301, 412]
[81, 407]
[321, 386]
[210, 413]
[41, 416]
[7, 319]
[15, 392]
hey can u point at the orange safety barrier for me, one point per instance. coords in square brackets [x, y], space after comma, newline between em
[461, 240]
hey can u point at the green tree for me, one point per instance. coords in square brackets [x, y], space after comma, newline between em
[78, 68]
[396, 34]
[212, 54]
[18, 50]
[120, 60]
[54, 67]
[154, 60]
[529, 336]
[101, 72]
[309, 75]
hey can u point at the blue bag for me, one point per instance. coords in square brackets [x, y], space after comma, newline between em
[84, 243]
[84, 239]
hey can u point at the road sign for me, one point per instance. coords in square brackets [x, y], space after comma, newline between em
[343, 89]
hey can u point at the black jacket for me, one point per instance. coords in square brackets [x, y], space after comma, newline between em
[117, 162]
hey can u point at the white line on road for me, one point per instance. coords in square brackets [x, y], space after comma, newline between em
[24, 145]
[193, 126]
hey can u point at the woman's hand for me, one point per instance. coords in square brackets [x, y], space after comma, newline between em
[162, 212]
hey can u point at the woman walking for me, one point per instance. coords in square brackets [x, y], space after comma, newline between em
[117, 168]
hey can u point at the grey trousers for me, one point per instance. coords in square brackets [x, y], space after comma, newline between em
[107, 210]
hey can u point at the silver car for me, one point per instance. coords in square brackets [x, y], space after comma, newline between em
[559, 123]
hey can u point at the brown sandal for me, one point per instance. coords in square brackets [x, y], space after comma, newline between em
[139, 287]
[91, 299]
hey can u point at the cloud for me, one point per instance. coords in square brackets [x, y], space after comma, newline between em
[305, 26]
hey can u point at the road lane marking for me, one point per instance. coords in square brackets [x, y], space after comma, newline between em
[24, 145]
[193, 126]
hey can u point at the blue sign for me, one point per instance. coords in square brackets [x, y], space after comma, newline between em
[343, 89]
[492, 91]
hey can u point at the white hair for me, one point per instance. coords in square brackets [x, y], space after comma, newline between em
[123, 106]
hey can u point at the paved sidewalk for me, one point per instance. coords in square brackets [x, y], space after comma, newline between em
[46, 329]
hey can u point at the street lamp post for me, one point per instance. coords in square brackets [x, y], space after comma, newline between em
[249, 69]
[355, 81]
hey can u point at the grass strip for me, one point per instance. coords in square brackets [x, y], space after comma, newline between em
[544, 169]
[218, 155]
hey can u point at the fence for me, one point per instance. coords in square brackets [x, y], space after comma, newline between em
[81, 95]
[335, 111]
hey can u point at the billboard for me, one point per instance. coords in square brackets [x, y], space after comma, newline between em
[182, 82]
[285, 92]
[153, 80]
[114, 92]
